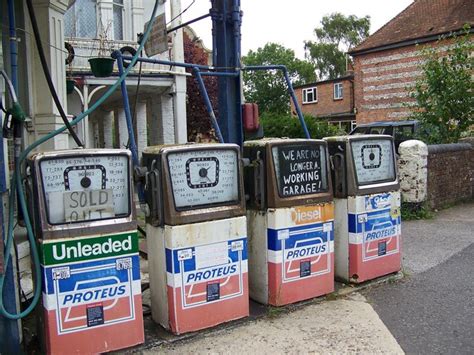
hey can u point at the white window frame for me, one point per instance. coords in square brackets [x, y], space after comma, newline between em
[122, 9]
[338, 91]
[314, 92]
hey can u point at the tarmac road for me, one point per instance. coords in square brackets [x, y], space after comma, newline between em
[432, 310]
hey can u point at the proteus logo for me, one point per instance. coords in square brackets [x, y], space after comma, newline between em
[94, 248]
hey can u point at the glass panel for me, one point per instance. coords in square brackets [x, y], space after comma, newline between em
[204, 177]
[373, 161]
[86, 188]
[80, 20]
[118, 19]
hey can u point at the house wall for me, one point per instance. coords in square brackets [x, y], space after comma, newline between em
[326, 104]
[382, 82]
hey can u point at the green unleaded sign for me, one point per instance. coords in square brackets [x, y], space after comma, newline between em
[84, 249]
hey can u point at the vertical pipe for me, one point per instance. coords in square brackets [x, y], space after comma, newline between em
[13, 45]
[131, 134]
[126, 108]
[214, 17]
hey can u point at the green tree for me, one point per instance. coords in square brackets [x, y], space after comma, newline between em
[336, 35]
[268, 88]
[285, 125]
[444, 92]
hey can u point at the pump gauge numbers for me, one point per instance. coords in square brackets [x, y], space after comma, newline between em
[202, 172]
[204, 177]
[85, 188]
[374, 160]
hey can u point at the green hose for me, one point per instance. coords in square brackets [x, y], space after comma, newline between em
[16, 185]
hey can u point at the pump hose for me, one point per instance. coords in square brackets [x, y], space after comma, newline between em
[18, 185]
[47, 74]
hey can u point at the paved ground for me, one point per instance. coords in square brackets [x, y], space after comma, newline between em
[432, 311]
[429, 311]
[334, 326]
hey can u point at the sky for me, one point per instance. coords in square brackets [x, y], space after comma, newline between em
[289, 23]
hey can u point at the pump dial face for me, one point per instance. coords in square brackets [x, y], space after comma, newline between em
[83, 188]
[204, 177]
[374, 161]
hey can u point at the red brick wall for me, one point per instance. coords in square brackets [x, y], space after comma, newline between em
[450, 174]
[381, 80]
[326, 104]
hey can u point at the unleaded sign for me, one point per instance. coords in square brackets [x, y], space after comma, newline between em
[300, 169]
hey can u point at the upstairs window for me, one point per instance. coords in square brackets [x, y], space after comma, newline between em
[310, 95]
[80, 20]
[118, 19]
[338, 93]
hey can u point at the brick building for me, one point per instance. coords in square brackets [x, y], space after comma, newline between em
[329, 99]
[388, 62]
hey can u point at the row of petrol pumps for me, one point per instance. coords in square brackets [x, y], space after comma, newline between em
[276, 223]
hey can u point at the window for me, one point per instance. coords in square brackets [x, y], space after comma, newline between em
[118, 19]
[310, 95]
[338, 93]
[80, 20]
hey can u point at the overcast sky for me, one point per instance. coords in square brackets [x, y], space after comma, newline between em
[290, 23]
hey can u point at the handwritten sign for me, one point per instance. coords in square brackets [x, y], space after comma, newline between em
[88, 205]
[299, 170]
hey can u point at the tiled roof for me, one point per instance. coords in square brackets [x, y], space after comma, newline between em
[423, 18]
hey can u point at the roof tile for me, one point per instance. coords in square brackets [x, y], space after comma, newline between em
[420, 19]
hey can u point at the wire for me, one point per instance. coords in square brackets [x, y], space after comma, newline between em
[181, 13]
[47, 74]
[17, 185]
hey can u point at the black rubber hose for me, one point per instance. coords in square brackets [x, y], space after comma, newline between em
[47, 74]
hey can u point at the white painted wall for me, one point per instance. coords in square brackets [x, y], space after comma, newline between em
[412, 170]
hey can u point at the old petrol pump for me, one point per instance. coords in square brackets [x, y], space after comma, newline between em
[84, 217]
[196, 235]
[290, 220]
[367, 202]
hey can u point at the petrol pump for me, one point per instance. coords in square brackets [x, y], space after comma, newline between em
[290, 217]
[196, 235]
[85, 221]
[367, 200]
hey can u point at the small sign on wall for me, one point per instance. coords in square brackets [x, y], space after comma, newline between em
[158, 40]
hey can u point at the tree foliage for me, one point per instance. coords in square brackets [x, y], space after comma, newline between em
[444, 93]
[268, 88]
[198, 122]
[285, 125]
[336, 35]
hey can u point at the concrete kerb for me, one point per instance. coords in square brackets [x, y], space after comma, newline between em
[162, 337]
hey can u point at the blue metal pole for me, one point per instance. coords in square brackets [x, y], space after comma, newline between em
[226, 27]
[291, 91]
[165, 62]
[131, 135]
[207, 101]
[126, 108]
[13, 45]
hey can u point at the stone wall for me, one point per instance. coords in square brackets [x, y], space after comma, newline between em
[440, 174]
[450, 174]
